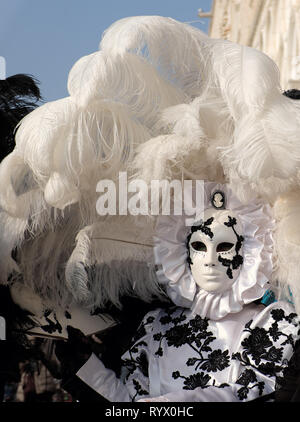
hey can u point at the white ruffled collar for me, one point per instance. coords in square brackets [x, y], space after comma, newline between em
[170, 253]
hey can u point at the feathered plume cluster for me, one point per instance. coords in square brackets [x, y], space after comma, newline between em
[159, 100]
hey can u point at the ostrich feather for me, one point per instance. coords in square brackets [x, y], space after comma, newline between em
[160, 100]
[247, 78]
[110, 261]
[61, 135]
[266, 144]
[192, 134]
[12, 233]
[126, 79]
[163, 42]
[42, 255]
[66, 149]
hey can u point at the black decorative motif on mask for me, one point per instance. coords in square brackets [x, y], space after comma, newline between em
[204, 228]
[237, 260]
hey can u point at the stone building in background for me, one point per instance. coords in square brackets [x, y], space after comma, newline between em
[272, 26]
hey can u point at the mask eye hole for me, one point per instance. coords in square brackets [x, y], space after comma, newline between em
[224, 247]
[199, 246]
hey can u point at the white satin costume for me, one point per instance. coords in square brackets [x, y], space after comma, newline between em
[212, 345]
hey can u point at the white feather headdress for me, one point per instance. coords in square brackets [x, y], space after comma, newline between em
[160, 100]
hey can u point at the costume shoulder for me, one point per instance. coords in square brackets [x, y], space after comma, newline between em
[268, 341]
[278, 321]
[283, 312]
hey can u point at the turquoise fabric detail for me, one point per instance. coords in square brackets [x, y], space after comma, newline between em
[291, 297]
[268, 298]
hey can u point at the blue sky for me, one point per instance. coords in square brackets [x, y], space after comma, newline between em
[46, 37]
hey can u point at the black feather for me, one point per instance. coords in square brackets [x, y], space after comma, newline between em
[292, 93]
[19, 95]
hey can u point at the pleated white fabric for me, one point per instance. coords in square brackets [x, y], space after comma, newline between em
[173, 270]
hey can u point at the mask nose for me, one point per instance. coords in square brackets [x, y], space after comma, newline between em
[210, 257]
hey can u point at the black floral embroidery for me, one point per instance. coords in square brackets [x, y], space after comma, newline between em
[178, 336]
[260, 348]
[138, 359]
[196, 335]
[200, 379]
[278, 314]
[257, 344]
[289, 380]
[141, 331]
[199, 324]
[217, 361]
[259, 354]
[139, 390]
[248, 377]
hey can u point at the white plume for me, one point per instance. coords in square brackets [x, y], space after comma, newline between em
[160, 100]
[110, 260]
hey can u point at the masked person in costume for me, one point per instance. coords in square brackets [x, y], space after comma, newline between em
[205, 110]
[216, 343]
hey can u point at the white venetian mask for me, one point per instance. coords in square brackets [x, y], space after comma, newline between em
[215, 251]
